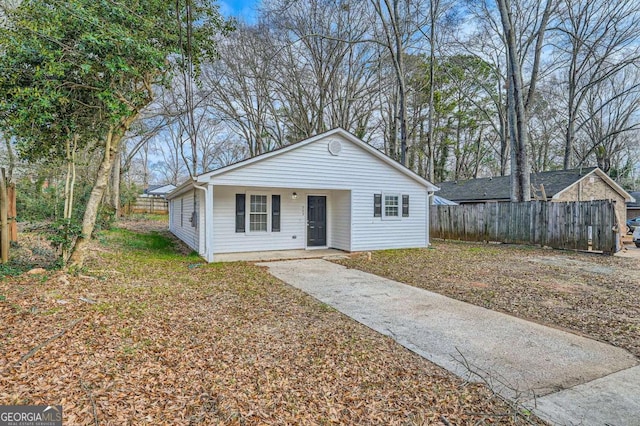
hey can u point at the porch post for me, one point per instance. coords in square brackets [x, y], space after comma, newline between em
[208, 219]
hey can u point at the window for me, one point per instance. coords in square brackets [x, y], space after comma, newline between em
[258, 213]
[264, 212]
[391, 206]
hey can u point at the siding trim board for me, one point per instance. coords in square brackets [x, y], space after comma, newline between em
[354, 183]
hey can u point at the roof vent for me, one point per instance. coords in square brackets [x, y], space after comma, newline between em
[334, 147]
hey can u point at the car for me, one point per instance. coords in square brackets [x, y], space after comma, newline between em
[632, 224]
[636, 236]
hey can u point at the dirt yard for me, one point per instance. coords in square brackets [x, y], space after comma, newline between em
[149, 334]
[593, 295]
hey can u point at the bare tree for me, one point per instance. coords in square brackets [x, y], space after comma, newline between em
[600, 41]
[395, 34]
[610, 119]
[168, 148]
[325, 71]
[519, 99]
[486, 43]
[240, 91]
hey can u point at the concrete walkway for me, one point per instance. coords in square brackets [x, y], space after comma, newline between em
[522, 360]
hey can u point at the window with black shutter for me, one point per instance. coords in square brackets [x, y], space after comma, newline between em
[377, 205]
[275, 213]
[405, 206]
[240, 208]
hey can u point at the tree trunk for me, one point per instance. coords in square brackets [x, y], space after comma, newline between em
[433, 9]
[115, 186]
[12, 160]
[112, 147]
[4, 226]
[520, 179]
[70, 180]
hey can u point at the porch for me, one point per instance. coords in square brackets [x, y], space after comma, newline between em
[274, 255]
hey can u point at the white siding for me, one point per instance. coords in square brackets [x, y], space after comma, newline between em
[341, 220]
[375, 233]
[181, 209]
[292, 222]
[314, 169]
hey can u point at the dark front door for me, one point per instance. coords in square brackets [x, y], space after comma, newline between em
[316, 220]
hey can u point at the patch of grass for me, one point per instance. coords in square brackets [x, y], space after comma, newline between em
[11, 270]
[153, 241]
[153, 247]
[149, 217]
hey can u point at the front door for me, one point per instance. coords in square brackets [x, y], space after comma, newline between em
[316, 220]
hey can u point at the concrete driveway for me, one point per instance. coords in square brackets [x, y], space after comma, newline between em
[568, 379]
[629, 249]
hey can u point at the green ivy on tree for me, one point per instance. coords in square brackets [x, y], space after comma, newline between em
[86, 69]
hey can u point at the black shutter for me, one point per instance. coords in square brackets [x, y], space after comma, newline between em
[275, 213]
[405, 206]
[377, 205]
[240, 207]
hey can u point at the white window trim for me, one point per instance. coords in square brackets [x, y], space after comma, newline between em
[247, 219]
[384, 210]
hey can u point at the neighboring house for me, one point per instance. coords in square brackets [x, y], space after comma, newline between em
[633, 207]
[158, 190]
[586, 184]
[331, 190]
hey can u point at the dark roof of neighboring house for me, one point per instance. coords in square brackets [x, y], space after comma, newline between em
[499, 188]
[636, 195]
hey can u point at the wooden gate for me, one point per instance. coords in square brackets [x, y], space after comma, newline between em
[583, 225]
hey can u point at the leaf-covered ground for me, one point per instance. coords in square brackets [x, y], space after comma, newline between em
[151, 335]
[593, 295]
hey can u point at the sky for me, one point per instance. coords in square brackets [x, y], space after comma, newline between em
[242, 9]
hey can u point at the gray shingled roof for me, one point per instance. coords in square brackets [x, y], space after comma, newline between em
[499, 188]
[636, 203]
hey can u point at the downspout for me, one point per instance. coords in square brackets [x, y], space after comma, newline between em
[204, 233]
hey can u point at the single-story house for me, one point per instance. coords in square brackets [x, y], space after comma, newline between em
[329, 191]
[584, 184]
[158, 190]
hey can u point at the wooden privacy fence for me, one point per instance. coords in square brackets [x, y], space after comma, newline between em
[582, 225]
[153, 205]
